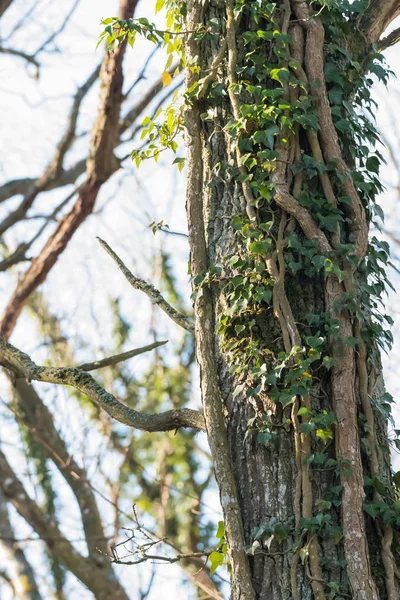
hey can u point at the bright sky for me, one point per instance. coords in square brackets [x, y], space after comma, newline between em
[84, 279]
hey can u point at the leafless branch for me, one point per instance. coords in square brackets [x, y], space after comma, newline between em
[29, 58]
[150, 291]
[389, 40]
[60, 29]
[100, 582]
[4, 4]
[19, 255]
[68, 176]
[21, 570]
[35, 415]
[117, 358]
[22, 366]
[54, 169]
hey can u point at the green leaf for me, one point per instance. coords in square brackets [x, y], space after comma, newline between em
[216, 560]
[221, 530]
[180, 162]
[266, 136]
[261, 246]
[307, 427]
[281, 75]
[159, 5]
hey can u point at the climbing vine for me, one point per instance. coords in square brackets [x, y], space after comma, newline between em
[295, 79]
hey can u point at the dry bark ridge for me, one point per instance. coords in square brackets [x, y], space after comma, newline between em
[204, 331]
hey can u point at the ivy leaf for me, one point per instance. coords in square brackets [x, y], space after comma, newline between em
[216, 560]
[372, 164]
[281, 75]
[166, 78]
[266, 136]
[307, 427]
[261, 246]
[180, 162]
[303, 411]
[221, 530]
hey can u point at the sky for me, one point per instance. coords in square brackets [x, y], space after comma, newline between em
[80, 287]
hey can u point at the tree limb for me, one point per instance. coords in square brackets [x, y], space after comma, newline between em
[102, 584]
[22, 366]
[29, 58]
[100, 165]
[150, 291]
[20, 573]
[70, 175]
[37, 418]
[377, 17]
[54, 169]
[389, 40]
[4, 4]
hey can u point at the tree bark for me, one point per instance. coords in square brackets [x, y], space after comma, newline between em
[281, 487]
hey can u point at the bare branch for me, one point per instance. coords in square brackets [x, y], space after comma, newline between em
[100, 165]
[150, 291]
[389, 40]
[20, 571]
[21, 364]
[59, 30]
[377, 17]
[29, 58]
[54, 169]
[4, 4]
[37, 418]
[101, 583]
[19, 255]
[22, 186]
[117, 358]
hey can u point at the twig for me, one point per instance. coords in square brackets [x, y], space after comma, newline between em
[150, 291]
[117, 358]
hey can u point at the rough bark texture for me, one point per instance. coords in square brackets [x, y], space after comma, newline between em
[267, 478]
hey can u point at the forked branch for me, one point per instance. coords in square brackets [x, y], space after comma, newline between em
[23, 366]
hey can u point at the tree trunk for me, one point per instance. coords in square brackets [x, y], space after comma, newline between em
[285, 325]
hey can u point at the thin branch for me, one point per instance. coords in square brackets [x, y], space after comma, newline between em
[100, 165]
[142, 72]
[54, 169]
[117, 358]
[22, 365]
[29, 58]
[61, 28]
[19, 255]
[150, 291]
[32, 412]
[101, 583]
[23, 186]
